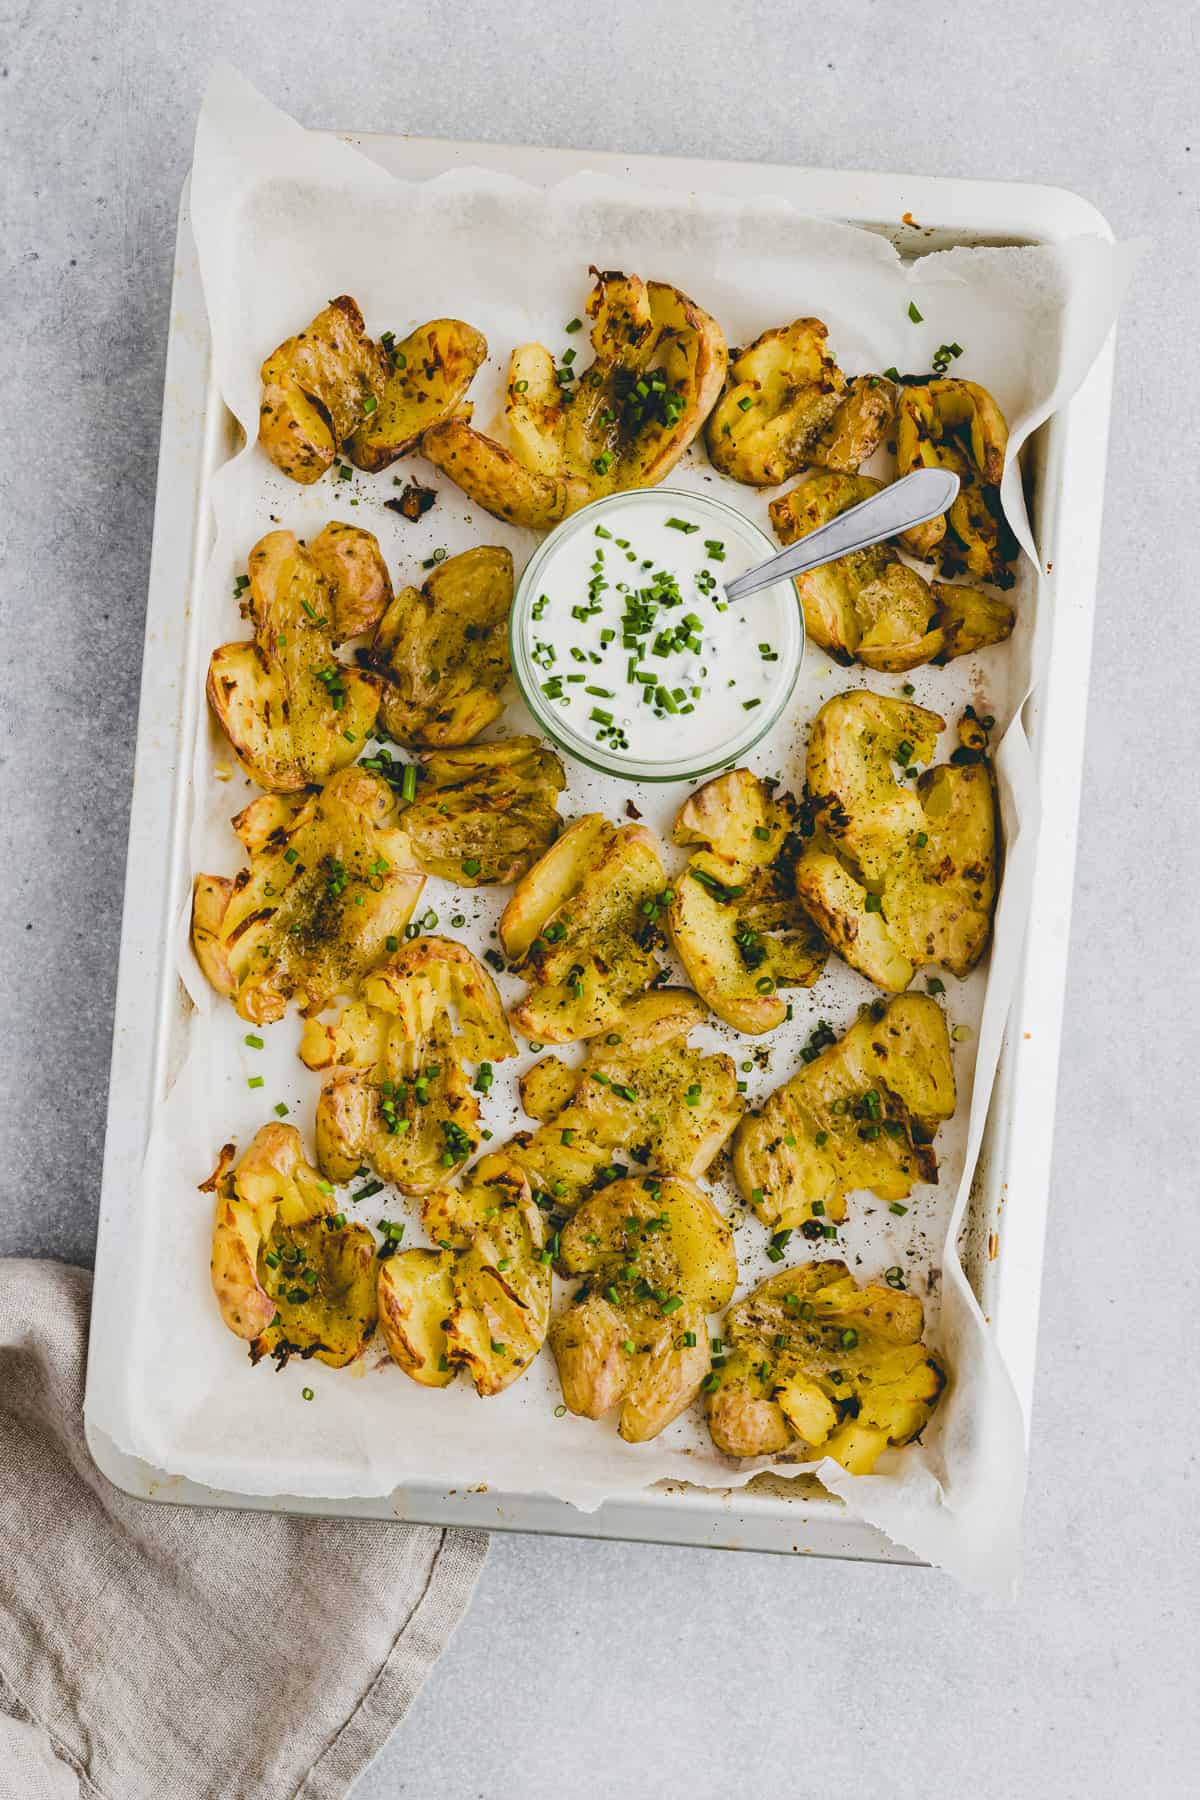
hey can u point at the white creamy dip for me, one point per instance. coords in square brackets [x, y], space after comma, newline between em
[627, 648]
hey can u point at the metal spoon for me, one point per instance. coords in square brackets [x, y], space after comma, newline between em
[918, 497]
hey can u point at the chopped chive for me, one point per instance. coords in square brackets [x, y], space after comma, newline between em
[253, 1040]
[916, 317]
[254, 1081]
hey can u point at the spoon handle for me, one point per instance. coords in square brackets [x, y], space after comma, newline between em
[918, 497]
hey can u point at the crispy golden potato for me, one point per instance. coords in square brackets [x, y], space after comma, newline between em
[624, 422]
[861, 1114]
[481, 1300]
[734, 919]
[314, 390]
[483, 815]
[583, 923]
[428, 374]
[397, 1095]
[441, 653]
[415, 1297]
[786, 405]
[870, 607]
[286, 1274]
[814, 1358]
[332, 387]
[356, 577]
[899, 874]
[640, 1094]
[658, 1257]
[957, 425]
[292, 713]
[331, 877]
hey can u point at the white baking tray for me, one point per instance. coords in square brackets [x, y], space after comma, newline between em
[1065, 469]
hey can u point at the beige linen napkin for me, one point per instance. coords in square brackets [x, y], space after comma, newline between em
[179, 1653]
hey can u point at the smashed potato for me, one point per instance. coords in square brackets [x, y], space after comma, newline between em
[331, 877]
[398, 1096]
[787, 405]
[658, 1258]
[293, 713]
[333, 387]
[640, 1094]
[481, 1300]
[314, 390]
[900, 873]
[957, 425]
[288, 1272]
[583, 924]
[814, 1358]
[485, 814]
[623, 422]
[428, 373]
[734, 918]
[441, 653]
[870, 607]
[859, 1114]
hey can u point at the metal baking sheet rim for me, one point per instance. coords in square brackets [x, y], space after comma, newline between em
[1013, 1177]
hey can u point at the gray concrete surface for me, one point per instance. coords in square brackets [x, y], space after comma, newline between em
[605, 1671]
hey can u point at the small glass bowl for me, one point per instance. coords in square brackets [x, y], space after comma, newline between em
[701, 759]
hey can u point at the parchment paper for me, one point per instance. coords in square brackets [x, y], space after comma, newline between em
[283, 221]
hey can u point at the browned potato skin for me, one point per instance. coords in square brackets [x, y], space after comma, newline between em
[816, 1360]
[415, 1297]
[285, 930]
[669, 1232]
[455, 625]
[481, 1300]
[272, 1202]
[569, 445]
[787, 405]
[429, 372]
[927, 854]
[431, 1006]
[493, 805]
[590, 1122]
[748, 927]
[287, 726]
[314, 386]
[957, 425]
[870, 607]
[815, 1139]
[588, 891]
[360, 587]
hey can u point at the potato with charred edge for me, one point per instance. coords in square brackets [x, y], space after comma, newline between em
[484, 814]
[288, 1272]
[815, 1360]
[899, 874]
[331, 877]
[624, 422]
[441, 653]
[870, 607]
[315, 388]
[735, 921]
[397, 1093]
[291, 711]
[583, 924]
[481, 1300]
[641, 1095]
[658, 1258]
[860, 1113]
[332, 387]
[957, 425]
[787, 405]
[428, 373]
